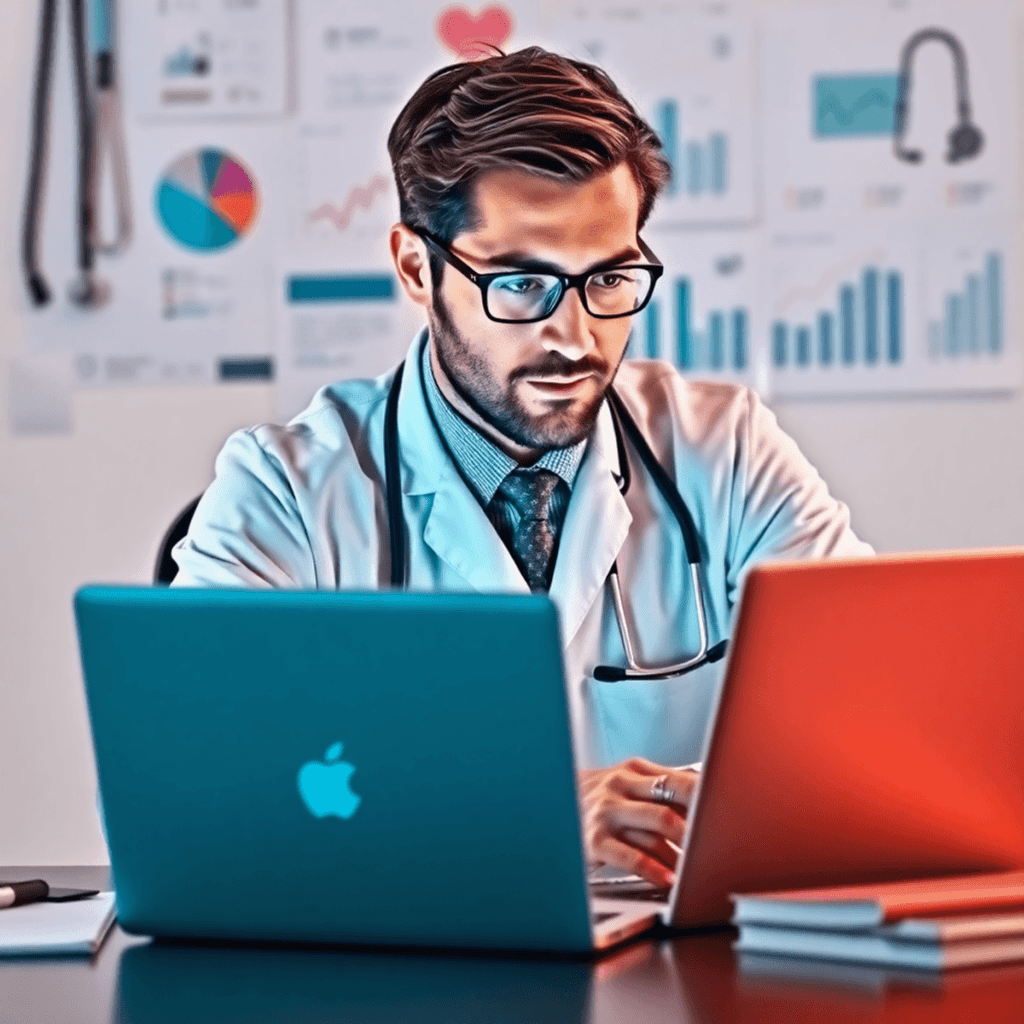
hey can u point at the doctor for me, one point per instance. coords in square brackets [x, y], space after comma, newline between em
[524, 182]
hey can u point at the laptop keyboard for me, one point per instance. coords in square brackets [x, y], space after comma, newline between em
[629, 889]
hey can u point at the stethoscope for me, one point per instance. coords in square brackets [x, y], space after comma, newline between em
[96, 132]
[966, 139]
[624, 424]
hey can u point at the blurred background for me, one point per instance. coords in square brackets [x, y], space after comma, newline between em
[841, 234]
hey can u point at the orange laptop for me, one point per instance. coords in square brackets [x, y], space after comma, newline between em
[870, 727]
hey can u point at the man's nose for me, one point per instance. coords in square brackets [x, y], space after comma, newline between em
[569, 330]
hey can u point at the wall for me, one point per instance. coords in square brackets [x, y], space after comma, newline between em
[92, 505]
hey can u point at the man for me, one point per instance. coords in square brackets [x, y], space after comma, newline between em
[524, 182]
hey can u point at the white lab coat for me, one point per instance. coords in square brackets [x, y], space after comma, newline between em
[303, 506]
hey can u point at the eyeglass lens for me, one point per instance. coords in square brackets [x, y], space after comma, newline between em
[534, 296]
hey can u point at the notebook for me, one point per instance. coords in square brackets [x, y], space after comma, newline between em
[57, 928]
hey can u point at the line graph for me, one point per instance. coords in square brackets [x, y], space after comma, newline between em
[854, 104]
[360, 197]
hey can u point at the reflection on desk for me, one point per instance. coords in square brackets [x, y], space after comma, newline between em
[691, 980]
[162, 984]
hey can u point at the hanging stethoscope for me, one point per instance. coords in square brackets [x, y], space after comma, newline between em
[965, 139]
[98, 132]
[624, 423]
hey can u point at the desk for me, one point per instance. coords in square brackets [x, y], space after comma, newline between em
[691, 979]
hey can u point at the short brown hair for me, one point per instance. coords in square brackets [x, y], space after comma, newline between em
[531, 110]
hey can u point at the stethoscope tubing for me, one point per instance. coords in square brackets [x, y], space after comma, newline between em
[90, 119]
[38, 289]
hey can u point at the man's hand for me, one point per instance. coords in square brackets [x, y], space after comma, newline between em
[624, 825]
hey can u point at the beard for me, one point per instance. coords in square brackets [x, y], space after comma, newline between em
[498, 403]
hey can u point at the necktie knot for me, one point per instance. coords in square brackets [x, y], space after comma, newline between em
[529, 491]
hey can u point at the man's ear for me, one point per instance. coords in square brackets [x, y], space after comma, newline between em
[409, 253]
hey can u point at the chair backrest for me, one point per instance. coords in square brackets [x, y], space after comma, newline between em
[166, 568]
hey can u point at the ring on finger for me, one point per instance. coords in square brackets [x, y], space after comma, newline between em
[660, 793]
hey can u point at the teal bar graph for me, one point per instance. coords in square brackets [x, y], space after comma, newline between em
[994, 295]
[653, 328]
[716, 330]
[854, 330]
[699, 166]
[971, 322]
[694, 168]
[684, 333]
[803, 346]
[894, 305]
[780, 343]
[826, 338]
[848, 322]
[870, 292]
[719, 146]
[666, 119]
[722, 345]
[740, 335]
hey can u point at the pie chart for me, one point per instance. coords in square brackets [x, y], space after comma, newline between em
[207, 200]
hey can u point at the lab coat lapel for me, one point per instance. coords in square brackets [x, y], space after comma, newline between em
[459, 532]
[595, 528]
[455, 528]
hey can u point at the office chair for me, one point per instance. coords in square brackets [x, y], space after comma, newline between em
[166, 568]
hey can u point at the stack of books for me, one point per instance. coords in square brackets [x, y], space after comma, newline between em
[930, 924]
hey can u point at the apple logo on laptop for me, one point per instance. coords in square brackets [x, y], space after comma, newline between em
[324, 788]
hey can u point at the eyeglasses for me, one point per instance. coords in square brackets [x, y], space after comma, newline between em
[524, 297]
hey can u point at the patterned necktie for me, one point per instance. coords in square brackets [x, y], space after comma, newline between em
[529, 491]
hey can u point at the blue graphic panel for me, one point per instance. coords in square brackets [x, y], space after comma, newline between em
[342, 288]
[845, 105]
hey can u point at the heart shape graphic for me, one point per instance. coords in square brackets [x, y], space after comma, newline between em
[472, 36]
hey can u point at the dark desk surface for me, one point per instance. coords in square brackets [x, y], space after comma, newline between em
[690, 979]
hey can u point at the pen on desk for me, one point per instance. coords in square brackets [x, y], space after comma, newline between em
[14, 894]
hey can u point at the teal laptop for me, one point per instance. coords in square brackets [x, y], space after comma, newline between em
[383, 768]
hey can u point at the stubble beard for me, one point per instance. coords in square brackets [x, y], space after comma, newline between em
[499, 404]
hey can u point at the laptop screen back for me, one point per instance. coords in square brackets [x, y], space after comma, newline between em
[870, 727]
[336, 766]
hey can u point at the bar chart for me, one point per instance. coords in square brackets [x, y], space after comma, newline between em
[704, 318]
[973, 319]
[722, 345]
[698, 165]
[866, 324]
[869, 312]
[689, 70]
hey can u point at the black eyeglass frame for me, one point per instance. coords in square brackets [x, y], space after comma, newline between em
[567, 281]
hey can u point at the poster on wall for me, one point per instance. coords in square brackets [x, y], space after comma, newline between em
[890, 180]
[184, 296]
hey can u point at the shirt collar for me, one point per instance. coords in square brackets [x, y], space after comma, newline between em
[483, 464]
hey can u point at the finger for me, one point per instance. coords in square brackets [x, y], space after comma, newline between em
[641, 766]
[661, 819]
[652, 844]
[681, 786]
[613, 850]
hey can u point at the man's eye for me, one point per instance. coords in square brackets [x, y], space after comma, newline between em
[611, 279]
[522, 285]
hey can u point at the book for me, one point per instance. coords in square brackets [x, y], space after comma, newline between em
[878, 948]
[863, 907]
[37, 929]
